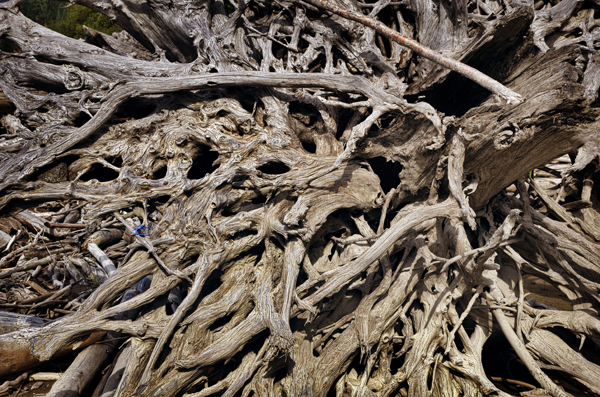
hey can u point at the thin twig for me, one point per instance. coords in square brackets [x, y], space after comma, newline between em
[514, 256]
[10, 243]
[354, 240]
[462, 318]
[42, 304]
[476, 251]
[384, 209]
[513, 381]
[393, 3]
[28, 266]
[13, 254]
[493, 307]
[66, 211]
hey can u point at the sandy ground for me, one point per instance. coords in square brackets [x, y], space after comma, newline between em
[545, 293]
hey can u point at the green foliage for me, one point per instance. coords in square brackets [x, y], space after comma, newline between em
[229, 8]
[67, 20]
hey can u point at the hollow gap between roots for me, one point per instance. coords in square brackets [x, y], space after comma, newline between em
[386, 43]
[227, 212]
[220, 323]
[80, 120]
[500, 361]
[279, 51]
[7, 45]
[302, 276]
[203, 163]
[174, 299]
[241, 234]
[117, 161]
[248, 205]
[248, 102]
[305, 113]
[336, 307]
[101, 174]
[161, 172]
[471, 236]
[261, 199]
[484, 224]
[310, 147]
[274, 168]
[386, 120]
[160, 200]
[231, 364]
[387, 171]
[590, 350]
[456, 95]
[6, 107]
[345, 115]
[317, 64]
[137, 108]
[212, 283]
[278, 371]
[444, 99]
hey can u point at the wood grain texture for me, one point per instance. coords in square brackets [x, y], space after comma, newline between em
[320, 196]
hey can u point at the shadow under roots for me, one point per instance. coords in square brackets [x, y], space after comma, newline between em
[274, 168]
[212, 283]
[101, 174]
[387, 171]
[503, 367]
[203, 163]
[356, 367]
[137, 108]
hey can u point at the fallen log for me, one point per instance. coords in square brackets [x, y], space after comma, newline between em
[16, 348]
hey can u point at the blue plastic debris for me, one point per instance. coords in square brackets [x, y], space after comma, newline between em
[137, 230]
[141, 286]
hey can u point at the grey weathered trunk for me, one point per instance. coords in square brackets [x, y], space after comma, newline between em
[327, 211]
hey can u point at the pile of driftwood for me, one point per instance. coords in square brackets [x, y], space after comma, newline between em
[303, 198]
[51, 263]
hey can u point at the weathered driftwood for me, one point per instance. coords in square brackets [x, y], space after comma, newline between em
[320, 208]
[10, 322]
[90, 361]
[16, 349]
[105, 262]
[13, 384]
